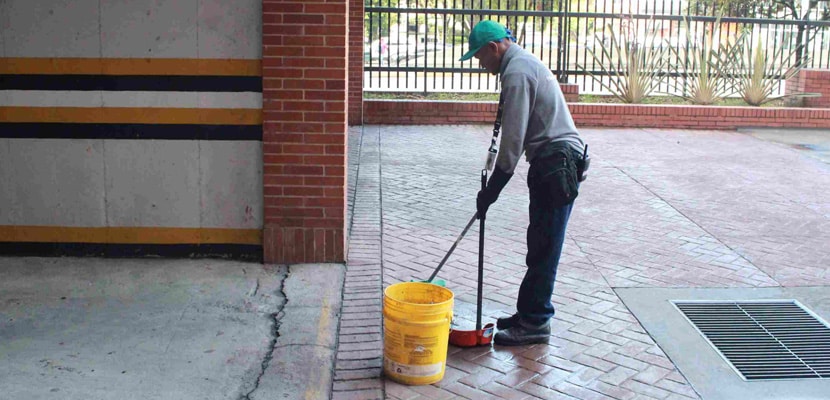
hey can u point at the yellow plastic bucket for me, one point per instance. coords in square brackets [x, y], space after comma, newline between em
[416, 329]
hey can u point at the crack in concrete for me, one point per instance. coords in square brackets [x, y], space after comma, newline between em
[275, 334]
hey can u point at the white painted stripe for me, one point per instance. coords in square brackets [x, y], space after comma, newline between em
[96, 98]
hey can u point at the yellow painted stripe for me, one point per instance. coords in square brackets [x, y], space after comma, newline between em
[130, 66]
[318, 379]
[129, 235]
[132, 115]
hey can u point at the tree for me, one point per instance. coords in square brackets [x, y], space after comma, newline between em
[792, 11]
[376, 24]
[783, 9]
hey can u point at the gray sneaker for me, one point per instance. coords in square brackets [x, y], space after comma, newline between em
[522, 334]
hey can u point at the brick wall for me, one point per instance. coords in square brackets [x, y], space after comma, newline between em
[304, 74]
[810, 81]
[696, 117]
[602, 115]
[441, 112]
[355, 62]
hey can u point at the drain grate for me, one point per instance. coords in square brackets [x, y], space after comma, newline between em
[764, 339]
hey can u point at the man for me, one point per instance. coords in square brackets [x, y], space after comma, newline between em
[535, 121]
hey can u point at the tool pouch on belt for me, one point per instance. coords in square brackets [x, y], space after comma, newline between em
[553, 175]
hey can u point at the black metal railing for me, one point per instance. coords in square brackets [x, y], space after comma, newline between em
[415, 45]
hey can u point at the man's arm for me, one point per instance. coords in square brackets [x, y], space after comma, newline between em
[516, 91]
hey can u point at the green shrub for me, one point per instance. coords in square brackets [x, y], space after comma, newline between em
[705, 66]
[758, 72]
[637, 71]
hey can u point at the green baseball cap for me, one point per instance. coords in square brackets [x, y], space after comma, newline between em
[484, 32]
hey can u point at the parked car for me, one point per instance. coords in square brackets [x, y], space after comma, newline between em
[429, 43]
[591, 42]
[394, 49]
[539, 41]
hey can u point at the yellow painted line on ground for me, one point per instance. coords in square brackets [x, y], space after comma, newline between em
[130, 66]
[133, 115]
[129, 235]
[317, 379]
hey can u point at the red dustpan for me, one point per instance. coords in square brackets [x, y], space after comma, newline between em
[480, 336]
[466, 329]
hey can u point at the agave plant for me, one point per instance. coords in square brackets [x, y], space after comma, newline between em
[705, 67]
[635, 74]
[758, 72]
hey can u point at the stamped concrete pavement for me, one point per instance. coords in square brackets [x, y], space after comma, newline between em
[669, 209]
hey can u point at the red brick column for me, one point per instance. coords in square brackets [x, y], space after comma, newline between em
[571, 92]
[304, 76]
[356, 62]
[810, 81]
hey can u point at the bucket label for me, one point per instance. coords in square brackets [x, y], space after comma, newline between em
[413, 370]
[420, 355]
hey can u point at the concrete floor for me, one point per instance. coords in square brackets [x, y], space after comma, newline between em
[813, 142]
[165, 329]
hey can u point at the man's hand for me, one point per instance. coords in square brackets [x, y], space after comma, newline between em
[490, 194]
[483, 201]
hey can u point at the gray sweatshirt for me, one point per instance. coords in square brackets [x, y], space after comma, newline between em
[535, 112]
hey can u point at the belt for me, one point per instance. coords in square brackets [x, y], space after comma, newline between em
[555, 147]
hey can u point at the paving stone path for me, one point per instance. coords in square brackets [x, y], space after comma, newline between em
[661, 208]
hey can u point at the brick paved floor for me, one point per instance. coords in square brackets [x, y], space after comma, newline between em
[661, 208]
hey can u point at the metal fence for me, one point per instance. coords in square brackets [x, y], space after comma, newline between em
[414, 46]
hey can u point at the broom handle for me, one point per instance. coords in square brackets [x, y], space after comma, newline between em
[464, 232]
[480, 257]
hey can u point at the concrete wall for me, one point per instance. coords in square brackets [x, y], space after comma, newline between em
[131, 127]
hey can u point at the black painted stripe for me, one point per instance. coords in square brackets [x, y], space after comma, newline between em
[226, 251]
[132, 83]
[40, 130]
